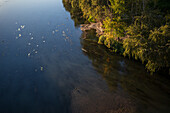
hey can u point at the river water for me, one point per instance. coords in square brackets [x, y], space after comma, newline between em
[47, 67]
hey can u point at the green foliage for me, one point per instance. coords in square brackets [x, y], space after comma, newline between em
[91, 19]
[149, 46]
[117, 6]
[143, 24]
[114, 27]
[114, 45]
[102, 39]
[158, 49]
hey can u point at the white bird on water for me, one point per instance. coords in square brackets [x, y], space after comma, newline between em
[22, 26]
[29, 54]
[53, 32]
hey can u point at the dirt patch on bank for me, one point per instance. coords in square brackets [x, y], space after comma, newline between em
[97, 26]
[99, 30]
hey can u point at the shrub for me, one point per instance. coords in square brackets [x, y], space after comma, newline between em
[102, 39]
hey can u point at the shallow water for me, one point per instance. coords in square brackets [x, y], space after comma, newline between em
[47, 67]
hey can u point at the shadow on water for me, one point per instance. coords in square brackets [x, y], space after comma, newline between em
[147, 94]
[150, 94]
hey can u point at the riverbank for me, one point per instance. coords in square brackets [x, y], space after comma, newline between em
[99, 30]
[97, 26]
[115, 44]
[129, 28]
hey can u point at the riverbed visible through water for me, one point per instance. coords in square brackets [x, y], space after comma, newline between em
[46, 66]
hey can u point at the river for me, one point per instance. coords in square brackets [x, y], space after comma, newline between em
[47, 67]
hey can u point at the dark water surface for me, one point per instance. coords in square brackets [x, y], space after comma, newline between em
[46, 67]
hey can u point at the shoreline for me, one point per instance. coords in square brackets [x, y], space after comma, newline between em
[99, 30]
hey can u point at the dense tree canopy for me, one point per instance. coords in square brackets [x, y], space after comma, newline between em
[144, 24]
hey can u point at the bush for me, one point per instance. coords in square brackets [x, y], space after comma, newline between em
[91, 19]
[114, 45]
[102, 39]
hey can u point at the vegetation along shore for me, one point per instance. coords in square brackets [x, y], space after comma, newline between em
[137, 29]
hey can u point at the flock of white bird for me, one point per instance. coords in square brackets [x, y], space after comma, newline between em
[35, 51]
